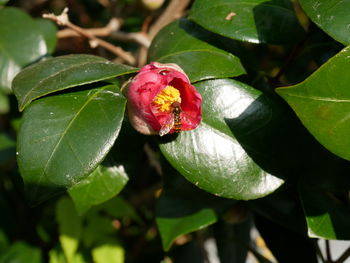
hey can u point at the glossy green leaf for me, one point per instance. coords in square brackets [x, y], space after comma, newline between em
[327, 216]
[332, 16]
[237, 132]
[183, 208]
[182, 42]
[256, 21]
[22, 41]
[100, 186]
[63, 138]
[70, 227]
[322, 102]
[20, 252]
[2, 2]
[61, 73]
[108, 253]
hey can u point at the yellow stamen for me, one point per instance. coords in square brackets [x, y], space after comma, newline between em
[166, 97]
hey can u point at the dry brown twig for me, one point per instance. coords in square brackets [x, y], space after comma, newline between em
[110, 30]
[63, 20]
[173, 11]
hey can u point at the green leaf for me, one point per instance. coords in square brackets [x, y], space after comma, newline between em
[256, 21]
[327, 216]
[3, 2]
[70, 227]
[20, 252]
[332, 16]
[239, 128]
[322, 102]
[98, 229]
[62, 73]
[63, 138]
[100, 186]
[22, 42]
[57, 256]
[120, 208]
[192, 53]
[108, 253]
[182, 208]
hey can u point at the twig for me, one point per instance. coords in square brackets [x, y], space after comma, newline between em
[111, 30]
[63, 20]
[328, 251]
[344, 256]
[173, 11]
[319, 252]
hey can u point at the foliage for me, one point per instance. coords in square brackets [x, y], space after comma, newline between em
[272, 151]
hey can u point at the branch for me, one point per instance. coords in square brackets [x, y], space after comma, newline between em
[344, 256]
[110, 30]
[63, 20]
[173, 11]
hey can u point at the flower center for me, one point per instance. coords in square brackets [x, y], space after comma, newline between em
[166, 97]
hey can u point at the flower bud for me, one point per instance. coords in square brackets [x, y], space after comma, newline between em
[161, 100]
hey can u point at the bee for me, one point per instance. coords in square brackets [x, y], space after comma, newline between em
[173, 120]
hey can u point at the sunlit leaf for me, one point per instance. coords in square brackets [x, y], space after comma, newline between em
[63, 138]
[61, 73]
[192, 53]
[257, 21]
[183, 208]
[108, 253]
[332, 16]
[237, 139]
[322, 102]
[70, 227]
[100, 186]
[327, 215]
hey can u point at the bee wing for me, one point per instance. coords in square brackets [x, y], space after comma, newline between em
[168, 124]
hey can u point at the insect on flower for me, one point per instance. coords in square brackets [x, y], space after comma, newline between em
[161, 100]
[174, 120]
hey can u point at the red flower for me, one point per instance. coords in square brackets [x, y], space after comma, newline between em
[161, 100]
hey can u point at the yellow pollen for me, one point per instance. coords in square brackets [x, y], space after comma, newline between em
[166, 97]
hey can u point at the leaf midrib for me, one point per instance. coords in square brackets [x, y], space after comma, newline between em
[24, 102]
[198, 50]
[240, 3]
[327, 99]
[67, 128]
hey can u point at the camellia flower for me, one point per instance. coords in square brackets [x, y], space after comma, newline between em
[161, 100]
